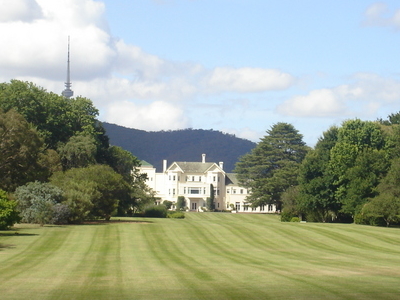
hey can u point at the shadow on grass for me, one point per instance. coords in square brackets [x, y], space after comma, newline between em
[15, 233]
[6, 246]
[105, 222]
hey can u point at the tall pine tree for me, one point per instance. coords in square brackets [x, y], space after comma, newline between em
[272, 166]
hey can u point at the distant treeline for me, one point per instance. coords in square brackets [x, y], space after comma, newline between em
[180, 145]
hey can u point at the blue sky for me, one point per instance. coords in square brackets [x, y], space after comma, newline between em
[231, 65]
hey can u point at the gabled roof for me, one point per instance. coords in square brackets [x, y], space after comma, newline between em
[231, 179]
[194, 167]
[144, 163]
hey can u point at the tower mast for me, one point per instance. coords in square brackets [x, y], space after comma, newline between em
[68, 93]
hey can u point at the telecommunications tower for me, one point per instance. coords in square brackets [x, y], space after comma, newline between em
[68, 93]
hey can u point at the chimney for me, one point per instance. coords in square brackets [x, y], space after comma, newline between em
[164, 165]
[203, 159]
[221, 165]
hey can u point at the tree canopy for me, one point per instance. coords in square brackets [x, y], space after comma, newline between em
[45, 136]
[272, 166]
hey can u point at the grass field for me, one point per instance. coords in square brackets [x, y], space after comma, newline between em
[205, 256]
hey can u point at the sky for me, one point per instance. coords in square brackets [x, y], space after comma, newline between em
[237, 66]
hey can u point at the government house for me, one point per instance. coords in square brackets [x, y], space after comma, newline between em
[194, 180]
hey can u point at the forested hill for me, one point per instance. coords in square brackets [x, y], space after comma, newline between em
[179, 145]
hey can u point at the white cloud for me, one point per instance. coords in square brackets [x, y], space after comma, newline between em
[318, 103]
[131, 87]
[366, 95]
[19, 11]
[245, 133]
[158, 115]
[378, 14]
[39, 48]
[246, 80]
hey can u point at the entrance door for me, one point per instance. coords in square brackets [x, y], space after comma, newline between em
[194, 205]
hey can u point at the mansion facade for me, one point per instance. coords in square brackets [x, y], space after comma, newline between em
[194, 180]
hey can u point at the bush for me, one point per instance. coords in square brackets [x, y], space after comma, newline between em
[295, 219]
[36, 201]
[286, 216]
[181, 203]
[369, 219]
[8, 212]
[167, 204]
[156, 211]
[176, 215]
[61, 213]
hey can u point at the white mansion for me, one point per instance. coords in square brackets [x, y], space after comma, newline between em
[193, 180]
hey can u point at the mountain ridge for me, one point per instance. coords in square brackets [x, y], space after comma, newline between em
[179, 145]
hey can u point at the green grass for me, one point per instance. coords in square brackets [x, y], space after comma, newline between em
[204, 256]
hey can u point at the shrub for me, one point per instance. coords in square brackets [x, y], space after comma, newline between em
[369, 219]
[8, 212]
[286, 216]
[156, 211]
[61, 213]
[295, 219]
[36, 201]
[167, 204]
[176, 215]
[181, 203]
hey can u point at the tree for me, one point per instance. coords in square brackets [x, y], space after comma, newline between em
[124, 163]
[211, 200]
[78, 152]
[21, 150]
[180, 203]
[357, 163]
[8, 211]
[387, 203]
[167, 204]
[36, 201]
[291, 209]
[316, 183]
[97, 187]
[272, 166]
[56, 119]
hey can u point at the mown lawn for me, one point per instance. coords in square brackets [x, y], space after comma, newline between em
[205, 256]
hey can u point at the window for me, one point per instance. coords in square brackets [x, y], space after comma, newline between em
[237, 205]
[218, 205]
[262, 207]
[192, 178]
[246, 207]
[199, 178]
[194, 190]
[234, 191]
[214, 178]
[174, 178]
[173, 192]
[227, 191]
[241, 191]
[269, 207]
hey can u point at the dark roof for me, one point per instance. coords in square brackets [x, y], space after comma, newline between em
[231, 179]
[144, 163]
[194, 167]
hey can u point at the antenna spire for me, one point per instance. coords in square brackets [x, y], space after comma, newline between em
[68, 93]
